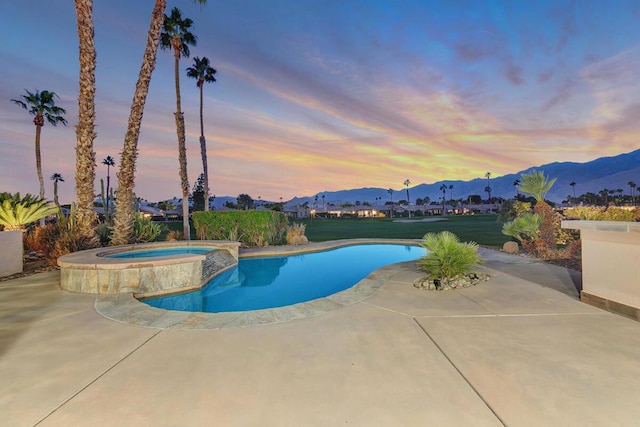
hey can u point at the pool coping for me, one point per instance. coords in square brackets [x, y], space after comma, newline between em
[125, 308]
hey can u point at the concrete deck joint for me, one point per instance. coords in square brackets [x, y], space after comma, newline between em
[466, 380]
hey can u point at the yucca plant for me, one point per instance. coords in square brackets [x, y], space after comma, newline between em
[524, 227]
[447, 257]
[16, 212]
[145, 230]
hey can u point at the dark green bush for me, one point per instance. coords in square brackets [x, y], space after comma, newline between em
[251, 228]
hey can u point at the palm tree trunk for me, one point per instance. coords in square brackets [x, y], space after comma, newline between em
[182, 151]
[85, 130]
[39, 166]
[39, 161]
[123, 220]
[203, 153]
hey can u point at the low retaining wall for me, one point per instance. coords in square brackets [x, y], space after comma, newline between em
[610, 259]
[92, 272]
[12, 252]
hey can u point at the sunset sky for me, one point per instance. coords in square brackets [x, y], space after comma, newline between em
[322, 95]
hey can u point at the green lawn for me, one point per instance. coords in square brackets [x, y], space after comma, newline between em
[482, 229]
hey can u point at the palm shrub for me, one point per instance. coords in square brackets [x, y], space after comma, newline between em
[17, 212]
[447, 257]
[524, 227]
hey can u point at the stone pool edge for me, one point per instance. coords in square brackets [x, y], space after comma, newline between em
[125, 308]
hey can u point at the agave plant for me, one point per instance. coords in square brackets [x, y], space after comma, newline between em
[16, 212]
[447, 257]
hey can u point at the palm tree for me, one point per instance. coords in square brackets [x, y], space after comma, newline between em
[516, 183]
[443, 188]
[390, 191]
[407, 183]
[605, 195]
[202, 72]
[632, 188]
[123, 221]
[176, 37]
[42, 106]
[451, 192]
[85, 129]
[108, 161]
[488, 187]
[56, 177]
[573, 185]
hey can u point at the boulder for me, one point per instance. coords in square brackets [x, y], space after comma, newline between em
[511, 247]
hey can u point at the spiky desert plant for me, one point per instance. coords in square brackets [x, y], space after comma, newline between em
[16, 213]
[524, 227]
[447, 257]
[145, 230]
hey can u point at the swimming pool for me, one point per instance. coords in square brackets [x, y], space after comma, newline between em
[269, 282]
[150, 253]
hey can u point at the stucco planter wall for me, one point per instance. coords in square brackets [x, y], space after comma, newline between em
[12, 252]
[610, 260]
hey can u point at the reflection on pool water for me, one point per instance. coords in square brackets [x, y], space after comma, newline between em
[147, 253]
[259, 283]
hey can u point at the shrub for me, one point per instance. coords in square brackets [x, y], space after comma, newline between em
[523, 227]
[295, 234]
[511, 209]
[42, 239]
[69, 240]
[144, 229]
[447, 257]
[103, 231]
[251, 228]
[174, 235]
[594, 213]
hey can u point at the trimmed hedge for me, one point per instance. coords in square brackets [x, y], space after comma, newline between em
[251, 228]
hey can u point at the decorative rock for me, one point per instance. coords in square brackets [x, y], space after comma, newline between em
[511, 247]
[463, 281]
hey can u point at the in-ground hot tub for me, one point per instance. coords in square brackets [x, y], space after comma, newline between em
[146, 267]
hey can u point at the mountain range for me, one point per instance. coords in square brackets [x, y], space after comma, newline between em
[612, 173]
[606, 172]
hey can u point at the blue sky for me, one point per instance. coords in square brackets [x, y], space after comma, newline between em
[321, 95]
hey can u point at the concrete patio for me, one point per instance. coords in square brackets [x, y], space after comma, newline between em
[519, 350]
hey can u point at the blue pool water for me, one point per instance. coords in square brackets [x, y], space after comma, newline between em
[258, 283]
[146, 253]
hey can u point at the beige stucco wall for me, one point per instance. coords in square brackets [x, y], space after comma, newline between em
[610, 260]
[11, 252]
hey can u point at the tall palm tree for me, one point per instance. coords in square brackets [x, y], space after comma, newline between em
[390, 191]
[407, 183]
[123, 221]
[451, 192]
[443, 188]
[516, 183]
[176, 37]
[41, 105]
[85, 129]
[488, 187]
[56, 177]
[203, 72]
[108, 161]
[632, 188]
[573, 185]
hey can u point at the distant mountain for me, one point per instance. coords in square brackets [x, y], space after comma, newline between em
[611, 173]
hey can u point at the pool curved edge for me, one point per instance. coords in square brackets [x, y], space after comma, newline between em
[125, 308]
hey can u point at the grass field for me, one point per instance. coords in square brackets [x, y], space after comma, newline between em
[482, 229]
